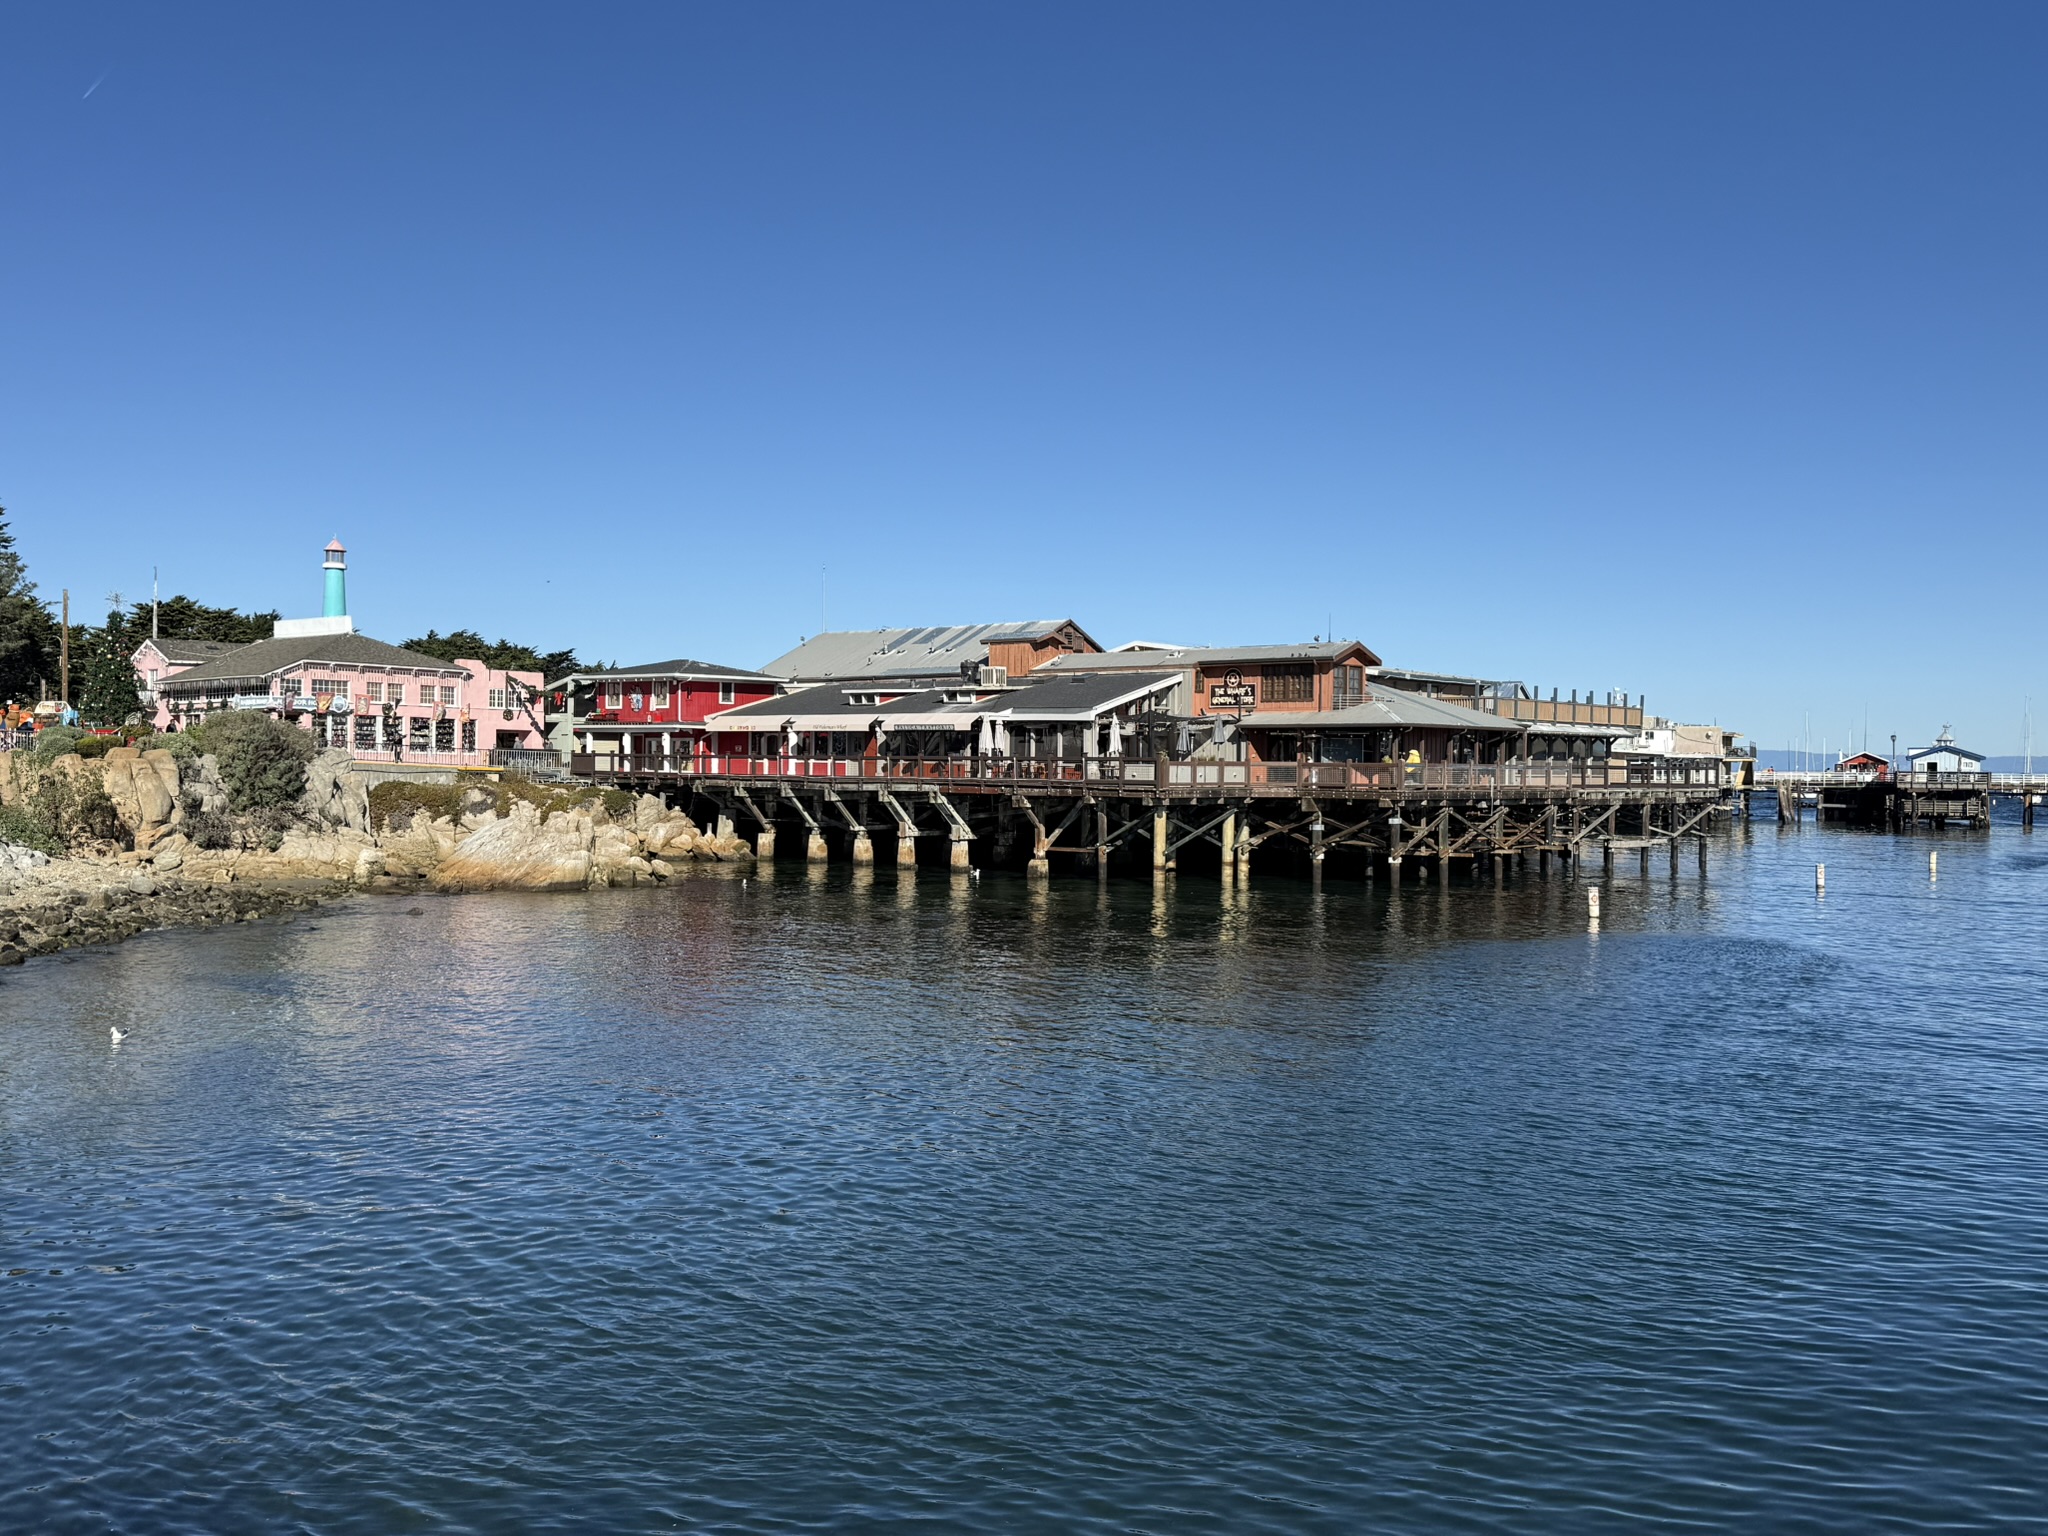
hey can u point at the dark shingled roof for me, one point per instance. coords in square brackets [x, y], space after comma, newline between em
[265, 658]
[181, 652]
[678, 668]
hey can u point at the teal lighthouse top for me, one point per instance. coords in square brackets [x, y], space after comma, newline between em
[337, 581]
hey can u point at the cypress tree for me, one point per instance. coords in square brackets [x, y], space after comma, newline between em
[28, 632]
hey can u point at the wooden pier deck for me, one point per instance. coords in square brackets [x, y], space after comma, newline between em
[1900, 802]
[1374, 819]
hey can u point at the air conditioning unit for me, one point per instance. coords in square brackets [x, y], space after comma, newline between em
[995, 677]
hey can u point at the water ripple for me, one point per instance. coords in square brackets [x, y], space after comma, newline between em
[864, 1202]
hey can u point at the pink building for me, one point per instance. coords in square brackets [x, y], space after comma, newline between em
[380, 701]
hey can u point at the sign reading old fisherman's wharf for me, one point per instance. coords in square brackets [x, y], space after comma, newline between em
[1233, 692]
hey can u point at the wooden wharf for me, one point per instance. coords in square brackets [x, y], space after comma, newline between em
[1378, 820]
[1898, 802]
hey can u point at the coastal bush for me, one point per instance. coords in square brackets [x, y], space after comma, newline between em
[404, 797]
[408, 798]
[75, 807]
[24, 825]
[180, 744]
[262, 761]
[208, 829]
[549, 798]
[96, 746]
[56, 740]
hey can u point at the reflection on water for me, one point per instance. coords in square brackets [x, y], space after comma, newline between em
[851, 1198]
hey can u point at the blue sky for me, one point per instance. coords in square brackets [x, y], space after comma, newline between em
[1696, 351]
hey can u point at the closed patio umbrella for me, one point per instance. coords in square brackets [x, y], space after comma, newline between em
[1115, 748]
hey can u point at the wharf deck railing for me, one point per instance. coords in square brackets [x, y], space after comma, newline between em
[1925, 779]
[531, 762]
[1193, 774]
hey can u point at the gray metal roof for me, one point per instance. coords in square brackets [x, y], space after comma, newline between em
[1389, 711]
[827, 707]
[927, 652]
[267, 658]
[1077, 698]
[1207, 656]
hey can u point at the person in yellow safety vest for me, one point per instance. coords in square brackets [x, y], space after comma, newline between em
[1414, 763]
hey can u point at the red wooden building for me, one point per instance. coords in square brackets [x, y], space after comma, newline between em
[662, 707]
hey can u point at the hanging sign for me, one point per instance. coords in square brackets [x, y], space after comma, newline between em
[1233, 692]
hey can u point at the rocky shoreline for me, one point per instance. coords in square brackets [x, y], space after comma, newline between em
[170, 850]
[48, 905]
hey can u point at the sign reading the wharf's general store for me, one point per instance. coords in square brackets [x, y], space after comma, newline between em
[1233, 692]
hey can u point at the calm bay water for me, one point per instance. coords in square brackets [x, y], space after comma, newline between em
[837, 1203]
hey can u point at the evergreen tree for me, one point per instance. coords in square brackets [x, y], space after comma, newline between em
[468, 645]
[181, 618]
[28, 632]
[103, 663]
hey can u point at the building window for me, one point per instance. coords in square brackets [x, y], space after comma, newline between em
[289, 686]
[373, 693]
[334, 687]
[1288, 684]
[444, 735]
[613, 692]
[469, 735]
[1350, 687]
[418, 733]
[661, 693]
[366, 733]
[497, 699]
[447, 693]
[725, 693]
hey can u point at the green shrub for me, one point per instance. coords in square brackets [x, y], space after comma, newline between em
[262, 761]
[56, 740]
[408, 797]
[75, 807]
[208, 829]
[96, 746]
[28, 827]
[549, 798]
[178, 743]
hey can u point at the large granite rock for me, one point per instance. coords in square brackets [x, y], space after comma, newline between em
[335, 796]
[144, 788]
[522, 852]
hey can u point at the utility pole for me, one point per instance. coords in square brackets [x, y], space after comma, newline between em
[64, 656]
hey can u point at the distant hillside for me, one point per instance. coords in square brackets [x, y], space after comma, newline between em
[1793, 762]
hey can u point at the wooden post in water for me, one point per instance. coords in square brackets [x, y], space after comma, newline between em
[1820, 878]
[1229, 860]
[1159, 837]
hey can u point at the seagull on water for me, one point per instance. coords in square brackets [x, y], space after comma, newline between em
[117, 1032]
